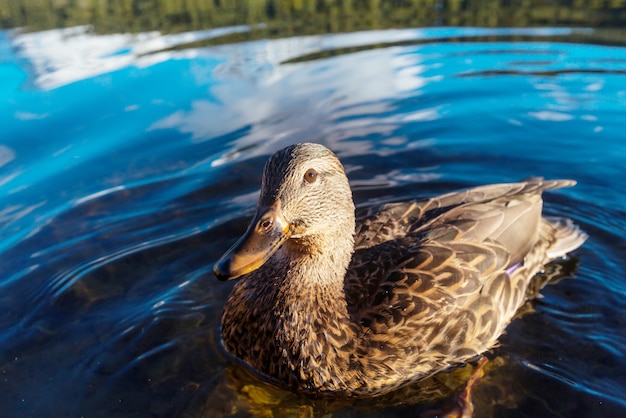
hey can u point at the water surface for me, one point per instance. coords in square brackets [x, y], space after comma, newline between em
[130, 162]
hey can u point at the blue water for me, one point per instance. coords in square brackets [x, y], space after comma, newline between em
[129, 163]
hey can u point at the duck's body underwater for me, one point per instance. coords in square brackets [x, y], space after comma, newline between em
[328, 303]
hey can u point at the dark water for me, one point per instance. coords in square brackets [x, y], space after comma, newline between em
[130, 162]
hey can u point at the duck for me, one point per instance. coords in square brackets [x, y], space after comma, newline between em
[328, 303]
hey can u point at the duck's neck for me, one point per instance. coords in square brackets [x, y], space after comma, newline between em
[313, 285]
[319, 259]
[290, 318]
[313, 322]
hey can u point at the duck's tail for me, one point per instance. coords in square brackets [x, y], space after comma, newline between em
[568, 237]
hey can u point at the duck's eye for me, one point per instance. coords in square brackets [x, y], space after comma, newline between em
[266, 224]
[310, 176]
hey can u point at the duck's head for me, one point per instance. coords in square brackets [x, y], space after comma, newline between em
[305, 208]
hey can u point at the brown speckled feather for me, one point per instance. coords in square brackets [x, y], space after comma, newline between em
[441, 270]
[429, 284]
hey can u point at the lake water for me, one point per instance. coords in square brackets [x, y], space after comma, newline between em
[130, 161]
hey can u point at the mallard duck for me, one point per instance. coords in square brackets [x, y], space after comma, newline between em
[331, 304]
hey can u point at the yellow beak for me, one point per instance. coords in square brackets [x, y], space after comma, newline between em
[266, 233]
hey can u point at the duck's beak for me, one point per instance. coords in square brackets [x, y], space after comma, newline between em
[266, 233]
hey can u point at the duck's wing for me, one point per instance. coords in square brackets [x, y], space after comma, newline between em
[450, 272]
[503, 219]
[440, 304]
[396, 220]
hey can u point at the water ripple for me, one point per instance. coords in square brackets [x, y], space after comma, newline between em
[110, 228]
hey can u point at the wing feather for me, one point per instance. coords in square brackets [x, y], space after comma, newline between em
[439, 268]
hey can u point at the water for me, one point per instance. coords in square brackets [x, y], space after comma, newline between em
[130, 162]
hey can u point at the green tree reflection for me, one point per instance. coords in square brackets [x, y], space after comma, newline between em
[288, 17]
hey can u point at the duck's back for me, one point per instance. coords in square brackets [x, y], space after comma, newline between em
[435, 282]
[396, 220]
